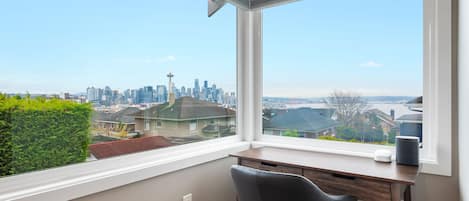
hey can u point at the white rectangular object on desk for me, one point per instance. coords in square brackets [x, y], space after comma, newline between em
[384, 156]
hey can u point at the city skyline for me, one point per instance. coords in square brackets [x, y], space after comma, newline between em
[53, 46]
[108, 96]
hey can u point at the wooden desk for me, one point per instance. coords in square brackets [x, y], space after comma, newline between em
[337, 174]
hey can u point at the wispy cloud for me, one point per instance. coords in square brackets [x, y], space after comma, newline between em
[166, 59]
[371, 64]
[147, 60]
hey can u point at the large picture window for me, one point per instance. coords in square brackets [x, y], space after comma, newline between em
[344, 71]
[90, 80]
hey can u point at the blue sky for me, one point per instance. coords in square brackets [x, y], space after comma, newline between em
[311, 47]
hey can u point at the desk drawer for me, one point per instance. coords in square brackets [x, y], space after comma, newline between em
[364, 189]
[270, 167]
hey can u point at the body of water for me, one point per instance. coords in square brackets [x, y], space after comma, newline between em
[399, 109]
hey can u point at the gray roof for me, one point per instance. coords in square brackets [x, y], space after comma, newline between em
[123, 116]
[418, 100]
[186, 108]
[382, 116]
[302, 119]
[411, 118]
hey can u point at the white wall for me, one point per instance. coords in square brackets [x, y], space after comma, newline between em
[208, 182]
[463, 72]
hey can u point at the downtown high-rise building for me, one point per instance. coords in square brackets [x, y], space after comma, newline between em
[147, 94]
[196, 90]
[189, 92]
[161, 93]
[183, 91]
[107, 97]
[92, 94]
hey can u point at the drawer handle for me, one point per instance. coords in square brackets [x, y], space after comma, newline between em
[343, 176]
[269, 164]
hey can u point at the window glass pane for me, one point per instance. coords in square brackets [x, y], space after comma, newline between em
[88, 80]
[344, 70]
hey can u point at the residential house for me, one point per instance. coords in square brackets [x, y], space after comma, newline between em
[411, 124]
[386, 121]
[114, 123]
[186, 118]
[306, 122]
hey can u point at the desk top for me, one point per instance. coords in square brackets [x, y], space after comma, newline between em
[346, 165]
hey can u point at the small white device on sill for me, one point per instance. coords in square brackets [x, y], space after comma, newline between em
[384, 156]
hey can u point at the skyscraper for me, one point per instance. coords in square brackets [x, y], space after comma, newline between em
[92, 94]
[161, 93]
[183, 91]
[147, 94]
[189, 92]
[196, 89]
[134, 96]
[107, 99]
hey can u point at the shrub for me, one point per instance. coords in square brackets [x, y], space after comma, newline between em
[291, 133]
[331, 138]
[38, 133]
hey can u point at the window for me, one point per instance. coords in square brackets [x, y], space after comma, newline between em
[193, 125]
[159, 124]
[344, 71]
[90, 80]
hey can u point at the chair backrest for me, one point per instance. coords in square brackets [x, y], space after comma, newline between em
[258, 185]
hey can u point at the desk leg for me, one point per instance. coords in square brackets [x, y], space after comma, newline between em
[395, 192]
[407, 194]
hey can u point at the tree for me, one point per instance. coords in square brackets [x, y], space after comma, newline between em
[122, 128]
[347, 133]
[348, 106]
[392, 137]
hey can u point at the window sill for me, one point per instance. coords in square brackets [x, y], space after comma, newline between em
[79, 180]
[429, 166]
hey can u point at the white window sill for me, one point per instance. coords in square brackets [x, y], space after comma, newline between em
[79, 180]
[429, 166]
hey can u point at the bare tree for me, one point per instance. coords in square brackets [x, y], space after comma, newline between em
[348, 106]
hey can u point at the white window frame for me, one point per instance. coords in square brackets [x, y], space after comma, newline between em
[436, 154]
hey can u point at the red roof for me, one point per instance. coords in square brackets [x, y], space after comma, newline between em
[121, 147]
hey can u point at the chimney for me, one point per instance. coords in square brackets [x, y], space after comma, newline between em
[393, 114]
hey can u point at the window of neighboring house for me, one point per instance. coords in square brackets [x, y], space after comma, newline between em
[147, 125]
[343, 71]
[193, 125]
[129, 62]
[159, 124]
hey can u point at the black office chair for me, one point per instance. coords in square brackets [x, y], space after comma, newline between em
[258, 185]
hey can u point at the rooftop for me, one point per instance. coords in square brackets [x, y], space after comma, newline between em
[418, 100]
[383, 116]
[411, 118]
[186, 108]
[124, 115]
[302, 119]
[121, 147]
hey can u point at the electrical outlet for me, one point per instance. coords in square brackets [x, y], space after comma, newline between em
[187, 197]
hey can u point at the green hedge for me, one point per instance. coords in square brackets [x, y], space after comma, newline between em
[37, 133]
